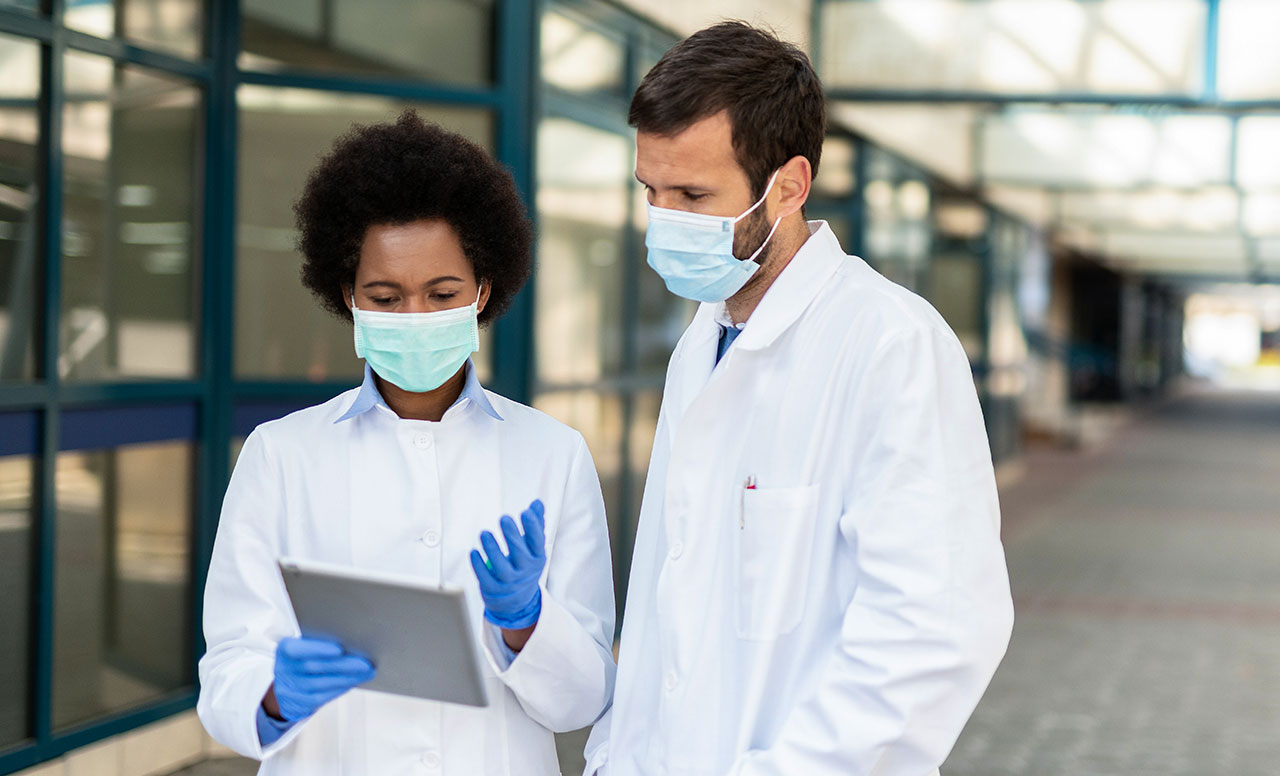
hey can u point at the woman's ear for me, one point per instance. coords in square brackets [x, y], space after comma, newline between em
[485, 288]
[347, 297]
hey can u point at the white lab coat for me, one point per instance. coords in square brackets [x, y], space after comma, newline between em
[845, 616]
[411, 497]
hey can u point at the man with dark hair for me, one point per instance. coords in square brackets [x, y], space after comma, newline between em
[818, 585]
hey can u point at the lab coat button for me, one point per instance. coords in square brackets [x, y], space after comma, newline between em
[422, 441]
[677, 550]
[671, 682]
[431, 759]
[431, 538]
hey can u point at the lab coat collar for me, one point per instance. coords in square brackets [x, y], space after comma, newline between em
[369, 396]
[792, 291]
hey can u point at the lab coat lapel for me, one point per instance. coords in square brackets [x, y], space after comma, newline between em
[692, 364]
[792, 291]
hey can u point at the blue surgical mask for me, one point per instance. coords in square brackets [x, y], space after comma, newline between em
[417, 352]
[694, 252]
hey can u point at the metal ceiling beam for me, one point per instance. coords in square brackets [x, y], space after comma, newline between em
[1002, 99]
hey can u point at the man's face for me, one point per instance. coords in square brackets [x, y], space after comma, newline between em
[697, 171]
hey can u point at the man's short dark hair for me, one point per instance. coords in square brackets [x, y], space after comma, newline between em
[406, 171]
[773, 96]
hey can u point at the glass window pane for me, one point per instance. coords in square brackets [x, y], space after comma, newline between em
[16, 486]
[173, 25]
[584, 182]
[1027, 46]
[122, 630]
[443, 40]
[130, 267]
[1248, 58]
[20, 306]
[578, 58]
[599, 418]
[26, 5]
[281, 331]
[835, 179]
[955, 290]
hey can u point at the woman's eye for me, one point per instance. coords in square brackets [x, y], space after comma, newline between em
[382, 300]
[445, 297]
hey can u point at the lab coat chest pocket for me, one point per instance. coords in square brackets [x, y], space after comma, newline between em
[774, 549]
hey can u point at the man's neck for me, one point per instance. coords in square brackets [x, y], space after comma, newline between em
[787, 241]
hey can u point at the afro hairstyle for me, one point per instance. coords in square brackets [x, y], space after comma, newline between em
[406, 171]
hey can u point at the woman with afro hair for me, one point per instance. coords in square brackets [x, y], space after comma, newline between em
[416, 236]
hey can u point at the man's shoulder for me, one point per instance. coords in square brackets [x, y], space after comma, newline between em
[877, 310]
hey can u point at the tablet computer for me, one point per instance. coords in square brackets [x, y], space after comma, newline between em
[417, 635]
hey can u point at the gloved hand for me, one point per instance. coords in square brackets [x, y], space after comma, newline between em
[312, 672]
[509, 583]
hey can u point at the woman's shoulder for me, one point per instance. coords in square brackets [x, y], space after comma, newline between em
[309, 423]
[521, 420]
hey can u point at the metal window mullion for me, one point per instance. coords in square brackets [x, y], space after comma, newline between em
[516, 65]
[124, 52]
[51, 92]
[217, 310]
[398, 88]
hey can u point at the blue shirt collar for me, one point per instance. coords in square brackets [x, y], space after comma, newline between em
[369, 396]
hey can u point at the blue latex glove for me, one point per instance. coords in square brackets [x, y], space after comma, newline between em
[509, 583]
[312, 672]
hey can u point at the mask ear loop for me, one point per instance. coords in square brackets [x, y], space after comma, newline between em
[763, 196]
[776, 223]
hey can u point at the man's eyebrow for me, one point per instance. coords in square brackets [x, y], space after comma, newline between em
[677, 187]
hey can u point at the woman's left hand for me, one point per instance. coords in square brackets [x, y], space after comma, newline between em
[509, 583]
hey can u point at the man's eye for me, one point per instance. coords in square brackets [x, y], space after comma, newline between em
[695, 197]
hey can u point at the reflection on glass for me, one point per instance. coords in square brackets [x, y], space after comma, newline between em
[835, 174]
[583, 186]
[15, 605]
[955, 290]
[128, 243]
[443, 40]
[26, 5]
[1022, 46]
[281, 332]
[1248, 58]
[19, 264]
[599, 418]
[580, 59]
[173, 25]
[122, 630]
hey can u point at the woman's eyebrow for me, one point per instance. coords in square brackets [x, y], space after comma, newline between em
[387, 283]
[444, 279]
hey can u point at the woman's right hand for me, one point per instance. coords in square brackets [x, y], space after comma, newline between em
[309, 673]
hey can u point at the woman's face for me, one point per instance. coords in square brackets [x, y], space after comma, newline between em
[418, 267]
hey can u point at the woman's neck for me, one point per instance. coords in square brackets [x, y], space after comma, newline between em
[431, 405]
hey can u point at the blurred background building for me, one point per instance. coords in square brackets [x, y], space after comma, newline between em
[1088, 190]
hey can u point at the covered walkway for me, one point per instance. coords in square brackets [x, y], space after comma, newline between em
[1146, 574]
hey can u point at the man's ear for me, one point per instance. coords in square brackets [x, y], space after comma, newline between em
[795, 182]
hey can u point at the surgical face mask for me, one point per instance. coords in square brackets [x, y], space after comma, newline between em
[694, 252]
[417, 352]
